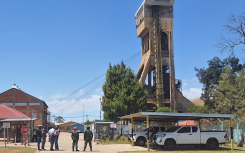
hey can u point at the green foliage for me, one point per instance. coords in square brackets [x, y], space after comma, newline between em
[229, 96]
[163, 109]
[210, 76]
[88, 122]
[123, 94]
[198, 109]
[59, 119]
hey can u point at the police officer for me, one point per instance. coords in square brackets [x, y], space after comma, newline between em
[88, 135]
[44, 135]
[75, 138]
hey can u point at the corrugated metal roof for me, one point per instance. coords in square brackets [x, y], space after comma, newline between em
[8, 112]
[174, 116]
[18, 119]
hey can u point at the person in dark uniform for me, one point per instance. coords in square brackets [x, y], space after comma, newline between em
[43, 137]
[39, 135]
[153, 138]
[75, 138]
[88, 136]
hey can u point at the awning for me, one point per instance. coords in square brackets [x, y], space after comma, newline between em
[18, 119]
[157, 116]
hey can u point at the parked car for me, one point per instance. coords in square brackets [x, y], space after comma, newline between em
[190, 135]
[141, 137]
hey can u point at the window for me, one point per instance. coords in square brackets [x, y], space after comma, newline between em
[162, 128]
[20, 104]
[34, 104]
[164, 41]
[34, 115]
[185, 130]
[157, 129]
[194, 129]
[145, 43]
[7, 104]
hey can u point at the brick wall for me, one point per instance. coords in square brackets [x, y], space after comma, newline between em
[17, 96]
[7, 96]
[20, 96]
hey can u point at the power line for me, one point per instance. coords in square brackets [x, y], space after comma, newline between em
[91, 90]
[75, 91]
[82, 96]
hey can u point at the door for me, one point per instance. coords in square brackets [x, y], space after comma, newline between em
[195, 135]
[184, 135]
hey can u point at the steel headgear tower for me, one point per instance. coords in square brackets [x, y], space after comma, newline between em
[154, 23]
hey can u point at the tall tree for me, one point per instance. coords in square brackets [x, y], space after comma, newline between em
[236, 28]
[229, 96]
[210, 76]
[59, 119]
[123, 94]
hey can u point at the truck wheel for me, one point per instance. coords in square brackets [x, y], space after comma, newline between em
[169, 144]
[203, 146]
[141, 141]
[212, 144]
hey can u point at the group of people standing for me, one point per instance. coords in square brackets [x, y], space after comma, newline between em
[41, 135]
[88, 136]
[53, 135]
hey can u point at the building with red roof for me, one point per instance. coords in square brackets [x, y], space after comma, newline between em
[26, 104]
[16, 119]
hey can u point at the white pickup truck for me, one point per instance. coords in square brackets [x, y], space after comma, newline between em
[141, 137]
[190, 135]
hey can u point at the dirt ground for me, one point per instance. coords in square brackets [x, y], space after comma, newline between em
[65, 146]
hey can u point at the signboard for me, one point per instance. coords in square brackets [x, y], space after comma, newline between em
[113, 125]
[6, 124]
[24, 129]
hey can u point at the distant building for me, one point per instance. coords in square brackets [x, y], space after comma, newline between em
[66, 127]
[25, 103]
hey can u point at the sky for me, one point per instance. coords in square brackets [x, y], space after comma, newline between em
[53, 48]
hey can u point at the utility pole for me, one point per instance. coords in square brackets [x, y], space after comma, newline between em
[83, 114]
[100, 108]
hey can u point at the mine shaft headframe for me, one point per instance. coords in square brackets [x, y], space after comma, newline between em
[154, 2]
[159, 2]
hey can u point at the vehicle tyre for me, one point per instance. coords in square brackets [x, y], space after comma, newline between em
[203, 146]
[161, 146]
[212, 144]
[140, 141]
[169, 144]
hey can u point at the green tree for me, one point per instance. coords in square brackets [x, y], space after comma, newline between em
[59, 119]
[229, 96]
[88, 122]
[199, 109]
[210, 76]
[123, 94]
[163, 109]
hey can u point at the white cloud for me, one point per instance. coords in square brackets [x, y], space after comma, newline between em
[58, 96]
[74, 106]
[192, 93]
[80, 93]
[40, 97]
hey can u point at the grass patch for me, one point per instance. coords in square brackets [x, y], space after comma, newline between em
[17, 150]
[194, 150]
[115, 141]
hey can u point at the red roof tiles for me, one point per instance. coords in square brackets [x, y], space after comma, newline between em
[8, 112]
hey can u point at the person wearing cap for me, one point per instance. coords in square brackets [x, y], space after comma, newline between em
[88, 136]
[75, 138]
[43, 137]
[38, 132]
